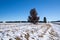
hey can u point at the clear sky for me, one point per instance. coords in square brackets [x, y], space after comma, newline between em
[20, 9]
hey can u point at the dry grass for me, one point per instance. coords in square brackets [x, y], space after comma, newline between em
[40, 35]
[0, 31]
[32, 31]
[17, 38]
[46, 25]
[27, 36]
[53, 33]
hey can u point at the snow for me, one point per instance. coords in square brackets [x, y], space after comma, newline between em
[28, 31]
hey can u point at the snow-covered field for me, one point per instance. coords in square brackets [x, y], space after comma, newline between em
[28, 31]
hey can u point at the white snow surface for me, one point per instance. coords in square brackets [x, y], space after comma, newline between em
[28, 31]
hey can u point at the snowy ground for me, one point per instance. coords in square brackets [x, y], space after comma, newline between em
[27, 31]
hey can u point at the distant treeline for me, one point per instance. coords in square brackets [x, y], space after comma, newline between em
[1, 21]
[18, 22]
[24, 21]
[55, 21]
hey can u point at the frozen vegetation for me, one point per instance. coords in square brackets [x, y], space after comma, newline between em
[28, 31]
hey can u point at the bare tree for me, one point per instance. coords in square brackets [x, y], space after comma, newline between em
[33, 16]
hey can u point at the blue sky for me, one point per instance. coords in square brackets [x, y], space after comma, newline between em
[20, 9]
